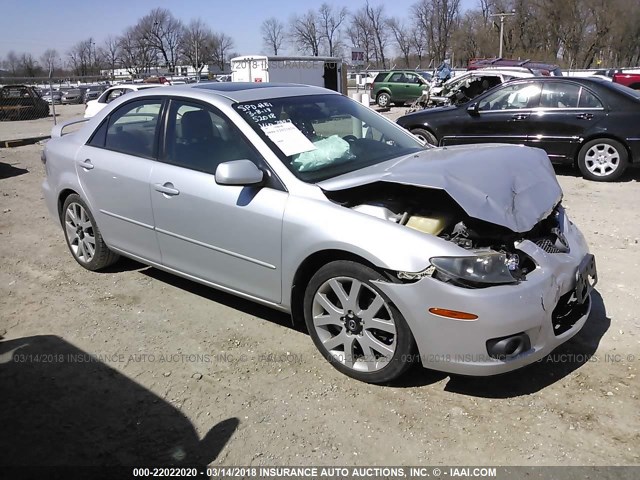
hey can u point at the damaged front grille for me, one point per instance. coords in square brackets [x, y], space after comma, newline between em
[567, 312]
[549, 246]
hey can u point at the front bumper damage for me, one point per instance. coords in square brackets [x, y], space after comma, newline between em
[536, 307]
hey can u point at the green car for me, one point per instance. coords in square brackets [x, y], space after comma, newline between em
[398, 87]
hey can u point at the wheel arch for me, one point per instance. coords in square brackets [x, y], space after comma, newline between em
[595, 136]
[62, 197]
[428, 128]
[310, 266]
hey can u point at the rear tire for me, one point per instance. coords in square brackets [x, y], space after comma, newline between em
[603, 160]
[355, 326]
[83, 236]
[426, 136]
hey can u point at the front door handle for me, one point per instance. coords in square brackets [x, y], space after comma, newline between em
[167, 188]
[87, 165]
[584, 116]
[520, 116]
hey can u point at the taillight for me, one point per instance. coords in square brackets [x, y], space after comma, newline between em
[371, 86]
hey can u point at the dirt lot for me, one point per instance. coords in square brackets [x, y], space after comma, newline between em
[137, 366]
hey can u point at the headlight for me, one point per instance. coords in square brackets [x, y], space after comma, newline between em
[484, 269]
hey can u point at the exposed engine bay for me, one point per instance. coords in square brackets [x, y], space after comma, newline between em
[434, 212]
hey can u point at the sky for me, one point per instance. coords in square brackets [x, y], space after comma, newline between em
[32, 26]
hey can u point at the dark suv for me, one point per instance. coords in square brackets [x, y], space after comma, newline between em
[397, 87]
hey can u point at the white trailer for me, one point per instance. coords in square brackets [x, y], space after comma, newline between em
[327, 72]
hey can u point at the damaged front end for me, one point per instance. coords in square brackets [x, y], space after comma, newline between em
[494, 257]
[506, 277]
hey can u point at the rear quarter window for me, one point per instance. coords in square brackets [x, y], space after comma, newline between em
[380, 77]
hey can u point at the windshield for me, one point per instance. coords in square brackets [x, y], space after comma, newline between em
[322, 136]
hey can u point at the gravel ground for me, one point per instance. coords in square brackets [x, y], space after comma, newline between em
[137, 366]
[41, 126]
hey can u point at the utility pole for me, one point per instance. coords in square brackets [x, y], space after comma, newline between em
[197, 65]
[502, 15]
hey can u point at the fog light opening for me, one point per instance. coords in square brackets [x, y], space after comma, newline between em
[506, 348]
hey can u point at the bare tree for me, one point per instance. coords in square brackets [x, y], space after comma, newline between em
[402, 37]
[305, 33]
[12, 62]
[136, 55]
[162, 32]
[437, 18]
[80, 57]
[330, 20]
[197, 44]
[110, 52]
[221, 45]
[273, 34]
[29, 65]
[377, 22]
[418, 41]
[49, 60]
[361, 34]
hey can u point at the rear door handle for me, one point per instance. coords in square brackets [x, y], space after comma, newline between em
[520, 116]
[584, 116]
[87, 165]
[167, 188]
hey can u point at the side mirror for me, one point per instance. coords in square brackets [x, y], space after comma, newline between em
[473, 109]
[238, 172]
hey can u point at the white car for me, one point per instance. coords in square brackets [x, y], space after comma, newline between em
[110, 94]
[501, 74]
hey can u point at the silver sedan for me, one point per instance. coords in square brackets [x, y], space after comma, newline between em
[392, 252]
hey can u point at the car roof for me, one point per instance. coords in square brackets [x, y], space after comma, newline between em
[247, 91]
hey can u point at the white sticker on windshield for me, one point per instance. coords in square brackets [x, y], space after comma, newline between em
[288, 138]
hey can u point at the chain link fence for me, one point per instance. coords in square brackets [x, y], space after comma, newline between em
[37, 98]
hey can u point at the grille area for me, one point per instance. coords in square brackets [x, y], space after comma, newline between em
[548, 246]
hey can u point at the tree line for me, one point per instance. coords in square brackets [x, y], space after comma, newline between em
[158, 39]
[572, 33]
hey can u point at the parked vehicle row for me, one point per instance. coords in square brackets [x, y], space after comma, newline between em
[112, 93]
[586, 122]
[467, 86]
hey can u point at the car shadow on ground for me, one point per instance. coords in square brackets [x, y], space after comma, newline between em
[564, 360]
[61, 406]
[8, 171]
[124, 264]
[227, 299]
[561, 362]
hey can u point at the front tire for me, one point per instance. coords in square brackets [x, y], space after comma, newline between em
[355, 326]
[603, 160]
[383, 99]
[425, 136]
[83, 236]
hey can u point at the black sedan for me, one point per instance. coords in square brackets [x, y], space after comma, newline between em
[586, 122]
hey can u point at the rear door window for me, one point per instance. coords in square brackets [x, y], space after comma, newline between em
[132, 128]
[588, 99]
[559, 95]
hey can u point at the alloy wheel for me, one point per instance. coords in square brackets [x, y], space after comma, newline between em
[354, 324]
[602, 159]
[80, 232]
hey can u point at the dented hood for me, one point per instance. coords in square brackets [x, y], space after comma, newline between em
[508, 185]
